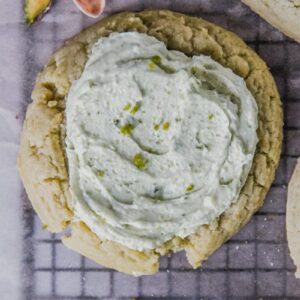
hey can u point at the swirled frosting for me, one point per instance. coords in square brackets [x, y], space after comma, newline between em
[157, 143]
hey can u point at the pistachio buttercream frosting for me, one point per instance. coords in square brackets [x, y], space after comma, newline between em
[157, 143]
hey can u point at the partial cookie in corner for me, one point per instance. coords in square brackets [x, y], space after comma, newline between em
[292, 217]
[282, 14]
[42, 161]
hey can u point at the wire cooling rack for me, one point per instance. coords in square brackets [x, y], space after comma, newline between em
[255, 264]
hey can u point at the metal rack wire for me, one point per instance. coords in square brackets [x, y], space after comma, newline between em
[254, 264]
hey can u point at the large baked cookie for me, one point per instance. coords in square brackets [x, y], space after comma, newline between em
[42, 161]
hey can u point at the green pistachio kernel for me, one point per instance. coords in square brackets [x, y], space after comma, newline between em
[245, 148]
[127, 129]
[156, 59]
[194, 70]
[135, 108]
[166, 126]
[127, 106]
[210, 116]
[226, 182]
[189, 188]
[156, 62]
[92, 84]
[100, 173]
[152, 66]
[139, 161]
[156, 126]
[167, 69]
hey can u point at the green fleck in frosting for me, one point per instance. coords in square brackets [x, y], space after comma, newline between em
[139, 161]
[166, 126]
[135, 108]
[127, 129]
[189, 188]
[156, 126]
[101, 173]
[127, 106]
[156, 59]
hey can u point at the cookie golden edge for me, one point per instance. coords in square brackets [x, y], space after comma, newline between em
[42, 161]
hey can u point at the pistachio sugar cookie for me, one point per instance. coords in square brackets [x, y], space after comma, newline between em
[150, 133]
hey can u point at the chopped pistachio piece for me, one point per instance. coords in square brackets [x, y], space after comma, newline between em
[127, 129]
[139, 161]
[34, 9]
[245, 148]
[127, 106]
[189, 188]
[135, 108]
[156, 59]
[92, 84]
[210, 116]
[194, 70]
[167, 69]
[166, 126]
[156, 126]
[152, 66]
[226, 182]
[100, 173]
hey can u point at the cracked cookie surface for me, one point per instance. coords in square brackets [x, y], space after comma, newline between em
[42, 161]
